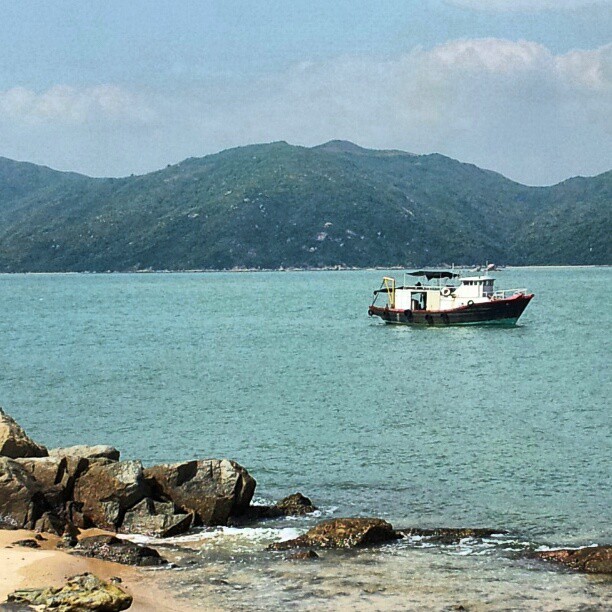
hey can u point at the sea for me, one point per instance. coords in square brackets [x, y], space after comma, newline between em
[284, 372]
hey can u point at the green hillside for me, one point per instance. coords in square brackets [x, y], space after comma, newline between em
[273, 205]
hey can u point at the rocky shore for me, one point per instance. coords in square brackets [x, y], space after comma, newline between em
[59, 495]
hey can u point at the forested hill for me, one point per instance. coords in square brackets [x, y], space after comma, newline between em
[277, 205]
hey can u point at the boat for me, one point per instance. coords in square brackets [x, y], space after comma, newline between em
[445, 297]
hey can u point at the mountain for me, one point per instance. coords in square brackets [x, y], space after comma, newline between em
[276, 205]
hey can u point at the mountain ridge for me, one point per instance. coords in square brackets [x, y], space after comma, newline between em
[277, 205]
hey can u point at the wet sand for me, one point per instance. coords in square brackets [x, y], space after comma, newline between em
[22, 567]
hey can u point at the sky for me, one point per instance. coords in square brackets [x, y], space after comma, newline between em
[522, 87]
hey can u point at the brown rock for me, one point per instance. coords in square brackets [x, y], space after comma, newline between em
[342, 533]
[106, 490]
[14, 441]
[100, 451]
[156, 519]
[110, 548]
[21, 499]
[56, 475]
[292, 505]
[295, 505]
[213, 489]
[82, 592]
[592, 560]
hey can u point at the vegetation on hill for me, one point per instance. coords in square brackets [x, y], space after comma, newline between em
[277, 205]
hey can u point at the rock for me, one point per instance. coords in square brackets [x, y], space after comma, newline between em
[592, 560]
[21, 498]
[56, 477]
[213, 489]
[69, 537]
[445, 535]
[100, 451]
[295, 505]
[54, 471]
[50, 522]
[14, 442]
[106, 490]
[110, 548]
[7, 523]
[292, 505]
[27, 543]
[342, 533]
[303, 555]
[82, 592]
[156, 519]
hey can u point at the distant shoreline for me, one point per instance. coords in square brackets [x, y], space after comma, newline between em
[306, 269]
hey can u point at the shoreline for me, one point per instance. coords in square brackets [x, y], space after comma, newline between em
[337, 268]
[24, 567]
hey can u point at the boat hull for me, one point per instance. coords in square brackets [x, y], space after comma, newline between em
[495, 312]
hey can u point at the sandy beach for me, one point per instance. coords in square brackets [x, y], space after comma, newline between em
[22, 567]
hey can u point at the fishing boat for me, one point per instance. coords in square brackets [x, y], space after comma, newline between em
[445, 297]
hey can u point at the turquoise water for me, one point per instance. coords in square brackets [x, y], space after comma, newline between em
[285, 373]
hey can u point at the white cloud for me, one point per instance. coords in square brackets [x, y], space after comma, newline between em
[526, 5]
[73, 106]
[512, 106]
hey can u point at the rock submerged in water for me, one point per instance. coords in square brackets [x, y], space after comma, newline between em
[342, 533]
[448, 535]
[303, 555]
[82, 592]
[292, 505]
[592, 560]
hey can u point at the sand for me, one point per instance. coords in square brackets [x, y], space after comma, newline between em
[22, 567]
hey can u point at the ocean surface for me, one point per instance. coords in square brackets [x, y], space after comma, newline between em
[506, 428]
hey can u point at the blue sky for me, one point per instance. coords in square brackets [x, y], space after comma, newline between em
[523, 87]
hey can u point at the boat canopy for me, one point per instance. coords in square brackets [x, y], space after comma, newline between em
[429, 274]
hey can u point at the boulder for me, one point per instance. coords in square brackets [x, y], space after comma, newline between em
[106, 490]
[292, 505]
[212, 489]
[100, 451]
[592, 560]
[110, 548]
[82, 592]
[295, 505]
[56, 477]
[21, 498]
[14, 441]
[156, 519]
[448, 535]
[342, 533]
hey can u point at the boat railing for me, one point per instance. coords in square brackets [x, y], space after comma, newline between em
[502, 294]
